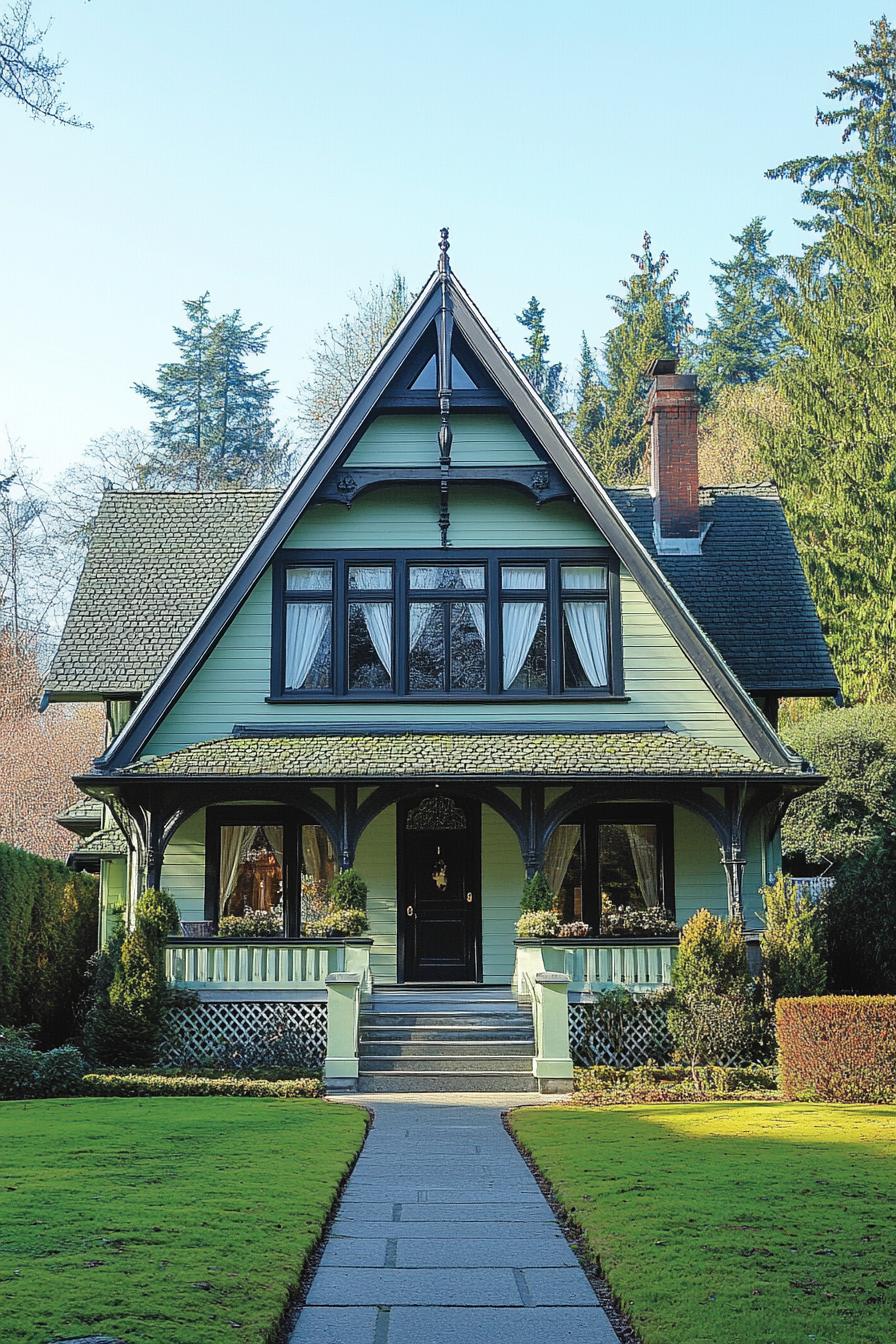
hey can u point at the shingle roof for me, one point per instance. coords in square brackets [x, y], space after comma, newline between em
[746, 588]
[401, 755]
[83, 817]
[106, 844]
[156, 559]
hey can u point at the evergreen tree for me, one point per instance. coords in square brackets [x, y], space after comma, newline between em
[545, 377]
[653, 321]
[213, 422]
[865, 94]
[589, 409]
[835, 453]
[742, 340]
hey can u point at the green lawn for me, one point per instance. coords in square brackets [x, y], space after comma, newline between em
[162, 1220]
[748, 1223]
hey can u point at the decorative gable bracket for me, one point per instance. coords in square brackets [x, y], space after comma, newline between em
[540, 483]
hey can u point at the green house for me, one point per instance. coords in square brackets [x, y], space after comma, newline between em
[448, 657]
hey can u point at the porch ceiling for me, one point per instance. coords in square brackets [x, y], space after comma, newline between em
[412, 755]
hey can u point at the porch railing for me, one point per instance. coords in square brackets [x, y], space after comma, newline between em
[248, 965]
[597, 963]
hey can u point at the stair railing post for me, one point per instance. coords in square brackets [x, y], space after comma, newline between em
[552, 1063]
[343, 1016]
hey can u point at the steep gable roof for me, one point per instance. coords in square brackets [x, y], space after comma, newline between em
[440, 290]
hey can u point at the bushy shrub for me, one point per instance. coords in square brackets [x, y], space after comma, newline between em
[633, 921]
[602, 1084]
[347, 891]
[26, 1072]
[849, 826]
[252, 924]
[838, 1048]
[538, 924]
[856, 750]
[197, 1085]
[715, 1016]
[338, 923]
[48, 930]
[793, 941]
[537, 895]
[131, 994]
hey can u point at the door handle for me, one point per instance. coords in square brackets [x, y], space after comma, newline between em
[410, 912]
[469, 898]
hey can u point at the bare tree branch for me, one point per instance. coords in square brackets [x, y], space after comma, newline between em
[27, 73]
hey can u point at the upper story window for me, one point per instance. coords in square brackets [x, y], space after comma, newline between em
[478, 626]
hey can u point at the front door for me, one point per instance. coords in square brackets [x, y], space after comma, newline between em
[440, 906]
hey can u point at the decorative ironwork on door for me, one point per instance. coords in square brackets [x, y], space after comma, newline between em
[438, 813]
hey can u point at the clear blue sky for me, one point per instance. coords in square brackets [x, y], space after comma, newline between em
[281, 154]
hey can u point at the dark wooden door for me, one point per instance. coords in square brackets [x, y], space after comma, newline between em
[440, 891]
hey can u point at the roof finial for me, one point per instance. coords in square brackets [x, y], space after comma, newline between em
[444, 266]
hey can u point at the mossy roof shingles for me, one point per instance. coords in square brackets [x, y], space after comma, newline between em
[156, 560]
[647, 755]
[105, 844]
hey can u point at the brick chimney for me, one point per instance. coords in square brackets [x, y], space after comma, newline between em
[672, 417]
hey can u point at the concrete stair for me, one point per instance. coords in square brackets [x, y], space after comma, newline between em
[445, 1040]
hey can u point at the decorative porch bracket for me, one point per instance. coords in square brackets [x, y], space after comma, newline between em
[733, 856]
[343, 1015]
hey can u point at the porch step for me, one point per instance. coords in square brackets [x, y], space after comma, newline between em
[420, 1049]
[445, 1040]
[446, 1082]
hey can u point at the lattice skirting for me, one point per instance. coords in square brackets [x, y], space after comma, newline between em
[246, 1035]
[638, 1037]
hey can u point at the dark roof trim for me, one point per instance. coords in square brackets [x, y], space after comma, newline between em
[500, 365]
[804, 781]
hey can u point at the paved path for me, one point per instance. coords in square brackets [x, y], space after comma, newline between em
[443, 1237]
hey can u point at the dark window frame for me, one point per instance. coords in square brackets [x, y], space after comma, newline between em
[401, 560]
[292, 821]
[592, 818]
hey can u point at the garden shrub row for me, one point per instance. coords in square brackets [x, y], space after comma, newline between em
[26, 1072]
[838, 1048]
[128, 1084]
[48, 931]
[604, 1084]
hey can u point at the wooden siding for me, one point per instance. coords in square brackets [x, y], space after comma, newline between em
[232, 685]
[412, 441]
[113, 896]
[699, 876]
[502, 881]
[183, 869]
[376, 861]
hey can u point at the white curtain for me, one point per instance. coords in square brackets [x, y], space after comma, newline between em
[377, 615]
[520, 619]
[557, 854]
[587, 623]
[642, 841]
[419, 618]
[274, 836]
[472, 578]
[235, 842]
[306, 623]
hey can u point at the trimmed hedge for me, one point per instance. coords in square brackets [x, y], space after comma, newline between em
[838, 1048]
[184, 1085]
[48, 931]
[26, 1072]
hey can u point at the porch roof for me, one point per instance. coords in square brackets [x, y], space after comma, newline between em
[414, 755]
[83, 817]
[108, 843]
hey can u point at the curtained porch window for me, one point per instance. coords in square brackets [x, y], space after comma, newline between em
[629, 863]
[318, 870]
[607, 857]
[250, 871]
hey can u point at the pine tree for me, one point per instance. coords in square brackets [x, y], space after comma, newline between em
[653, 321]
[213, 422]
[589, 406]
[835, 454]
[865, 92]
[742, 340]
[545, 377]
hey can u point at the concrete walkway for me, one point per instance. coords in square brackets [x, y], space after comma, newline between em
[443, 1237]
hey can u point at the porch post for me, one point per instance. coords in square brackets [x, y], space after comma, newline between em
[533, 818]
[733, 858]
[347, 814]
[343, 1008]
